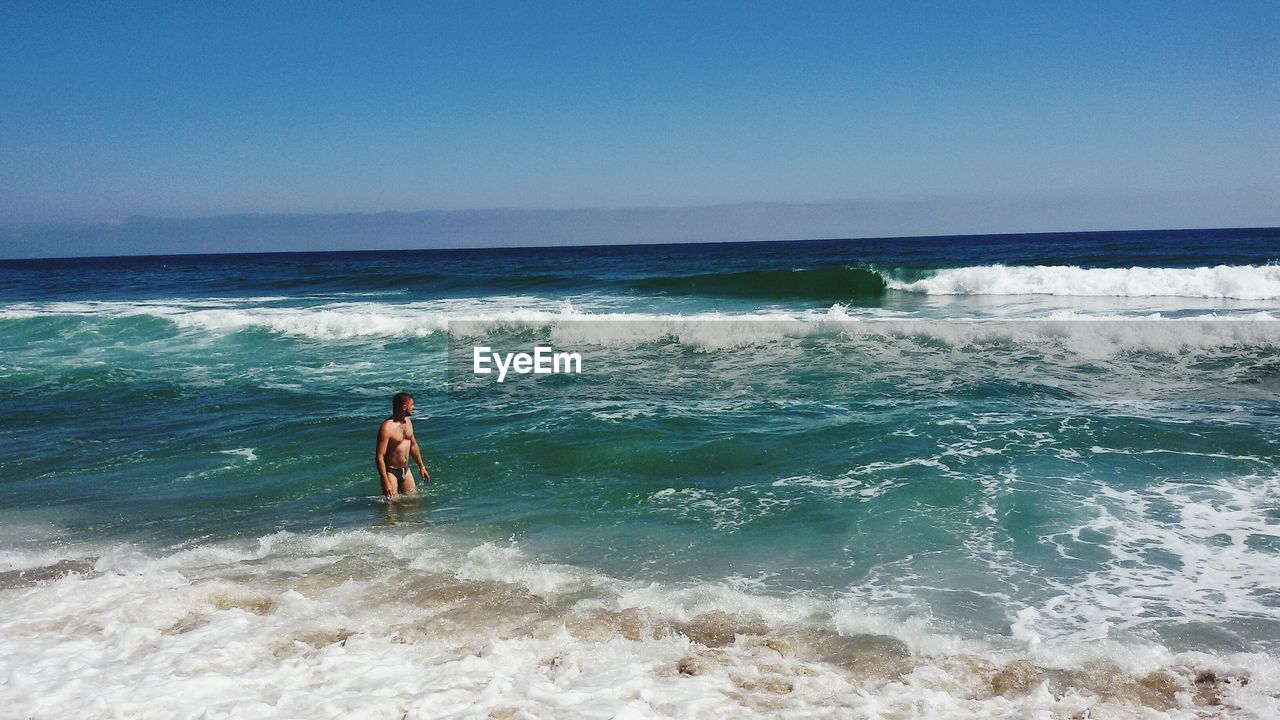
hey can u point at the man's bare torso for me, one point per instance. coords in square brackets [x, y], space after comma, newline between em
[399, 440]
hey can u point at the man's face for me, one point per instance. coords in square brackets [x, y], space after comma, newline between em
[408, 407]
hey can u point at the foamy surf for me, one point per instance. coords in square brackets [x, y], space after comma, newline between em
[1238, 282]
[569, 324]
[384, 624]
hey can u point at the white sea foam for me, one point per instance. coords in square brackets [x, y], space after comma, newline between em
[566, 325]
[728, 510]
[854, 485]
[418, 625]
[1241, 282]
[1208, 553]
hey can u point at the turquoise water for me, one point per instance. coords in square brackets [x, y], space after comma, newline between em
[1038, 443]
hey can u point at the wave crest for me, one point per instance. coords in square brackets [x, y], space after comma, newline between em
[831, 282]
[1237, 282]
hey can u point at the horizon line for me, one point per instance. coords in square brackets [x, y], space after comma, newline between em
[499, 248]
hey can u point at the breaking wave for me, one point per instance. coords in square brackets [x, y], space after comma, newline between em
[843, 283]
[308, 625]
[1237, 282]
[565, 324]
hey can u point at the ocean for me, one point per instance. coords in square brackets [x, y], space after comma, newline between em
[968, 477]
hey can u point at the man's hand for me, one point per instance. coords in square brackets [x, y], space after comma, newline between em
[426, 476]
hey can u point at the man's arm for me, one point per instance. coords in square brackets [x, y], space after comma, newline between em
[380, 461]
[417, 455]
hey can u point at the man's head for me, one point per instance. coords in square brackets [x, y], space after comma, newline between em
[402, 404]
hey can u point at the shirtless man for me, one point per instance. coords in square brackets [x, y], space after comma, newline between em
[395, 443]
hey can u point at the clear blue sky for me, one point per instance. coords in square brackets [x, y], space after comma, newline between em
[193, 109]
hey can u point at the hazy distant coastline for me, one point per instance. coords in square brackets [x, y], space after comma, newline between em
[597, 226]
